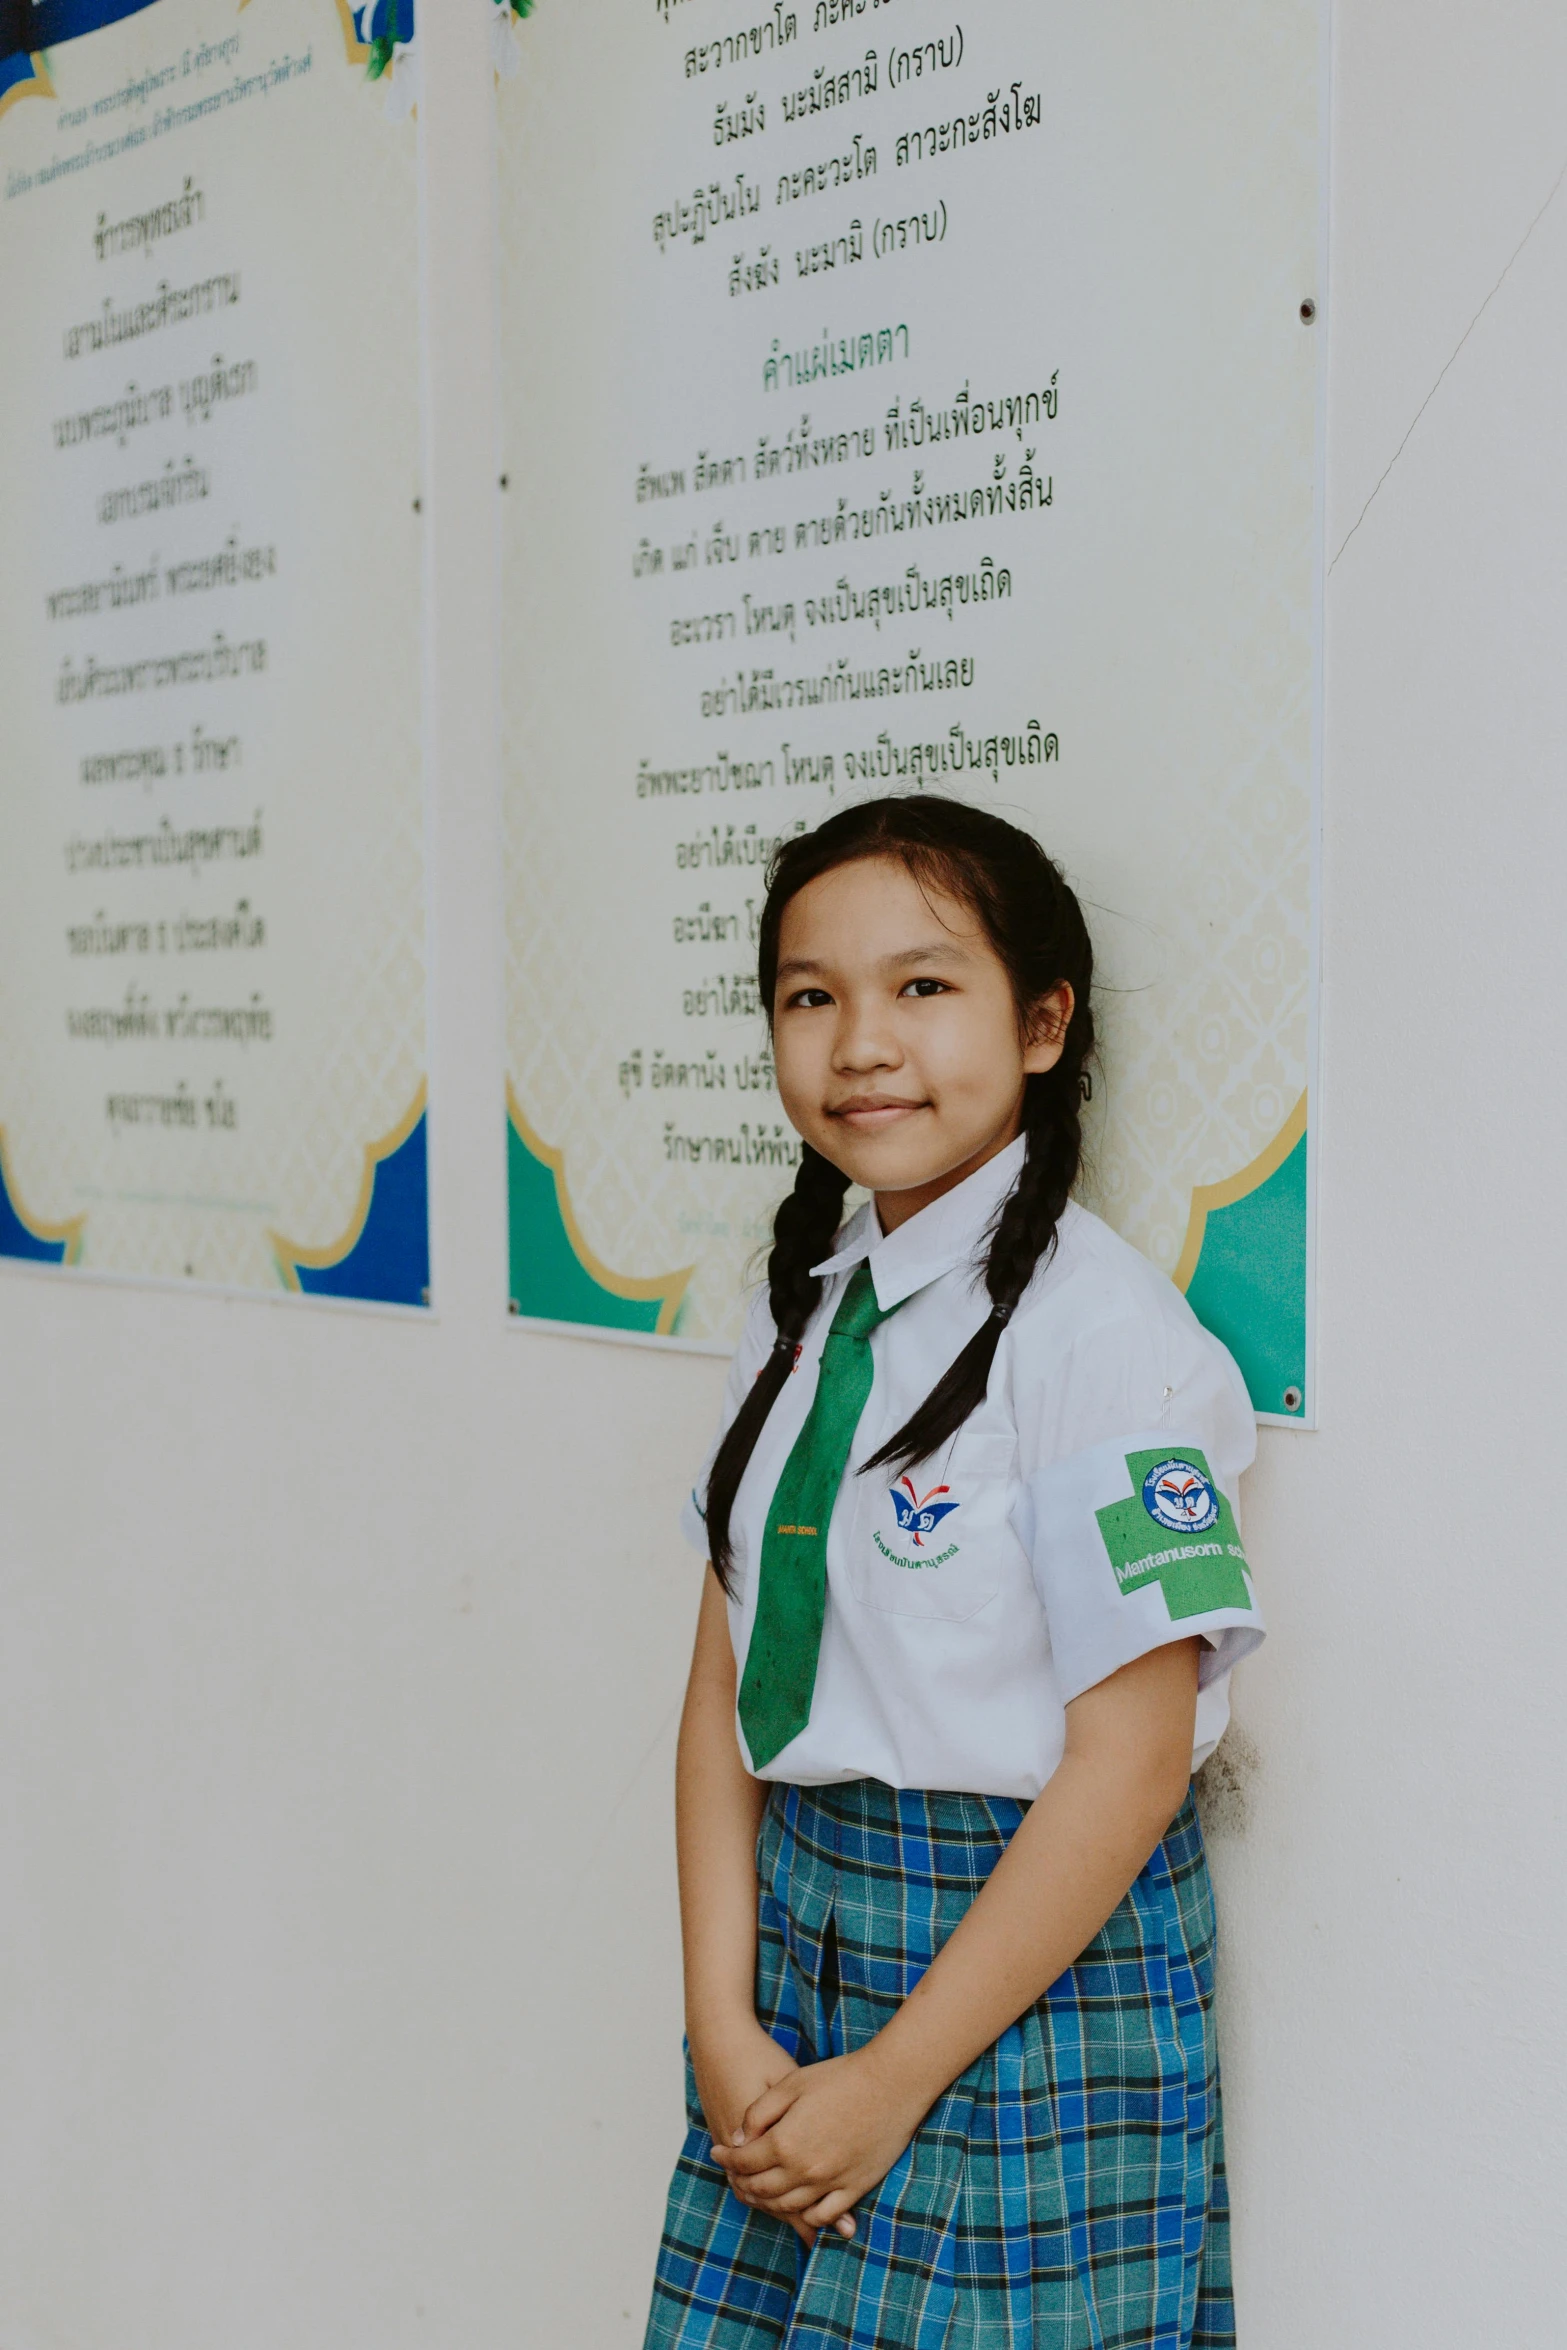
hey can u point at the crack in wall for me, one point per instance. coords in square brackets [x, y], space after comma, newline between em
[1556, 189]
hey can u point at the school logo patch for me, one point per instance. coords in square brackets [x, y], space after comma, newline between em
[917, 1517]
[917, 1514]
[1192, 1550]
[1180, 1497]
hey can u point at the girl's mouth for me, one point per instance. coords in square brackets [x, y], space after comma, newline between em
[871, 1113]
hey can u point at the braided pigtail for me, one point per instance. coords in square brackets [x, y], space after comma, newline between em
[1023, 1239]
[803, 1233]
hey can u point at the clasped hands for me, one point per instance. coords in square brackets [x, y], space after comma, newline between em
[804, 2142]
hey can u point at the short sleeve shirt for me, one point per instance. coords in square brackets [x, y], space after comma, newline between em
[1085, 1514]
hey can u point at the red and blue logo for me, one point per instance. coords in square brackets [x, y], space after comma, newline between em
[917, 1517]
[1179, 1496]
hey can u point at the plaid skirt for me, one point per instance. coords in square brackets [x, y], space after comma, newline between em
[1067, 2193]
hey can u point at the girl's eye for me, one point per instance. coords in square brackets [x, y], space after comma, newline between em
[924, 987]
[807, 999]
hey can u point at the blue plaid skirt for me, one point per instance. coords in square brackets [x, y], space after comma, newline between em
[1067, 2193]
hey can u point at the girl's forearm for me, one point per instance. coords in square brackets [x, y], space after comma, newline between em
[1083, 1843]
[718, 1808]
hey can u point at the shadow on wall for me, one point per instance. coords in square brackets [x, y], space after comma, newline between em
[1223, 1785]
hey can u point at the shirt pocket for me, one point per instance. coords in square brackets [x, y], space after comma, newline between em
[936, 1542]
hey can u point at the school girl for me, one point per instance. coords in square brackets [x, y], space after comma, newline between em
[977, 1591]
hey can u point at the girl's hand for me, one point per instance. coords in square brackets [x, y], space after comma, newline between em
[735, 2068]
[820, 2138]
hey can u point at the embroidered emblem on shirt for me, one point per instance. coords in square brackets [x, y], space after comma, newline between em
[1180, 1497]
[918, 1518]
[917, 1515]
[1199, 1565]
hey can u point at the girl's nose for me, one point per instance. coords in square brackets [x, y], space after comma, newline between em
[865, 1042]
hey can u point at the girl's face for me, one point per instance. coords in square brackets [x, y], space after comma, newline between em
[900, 1054]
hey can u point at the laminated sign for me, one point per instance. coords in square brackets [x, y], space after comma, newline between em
[212, 897]
[905, 396]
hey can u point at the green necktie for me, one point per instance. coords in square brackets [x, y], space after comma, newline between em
[780, 1664]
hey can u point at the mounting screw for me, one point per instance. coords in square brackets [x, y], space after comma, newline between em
[1293, 1399]
[418, 505]
[1308, 311]
[424, 1297]
[512, 1307]
[505, 481]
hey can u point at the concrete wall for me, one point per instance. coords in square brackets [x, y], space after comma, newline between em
[339, 1658]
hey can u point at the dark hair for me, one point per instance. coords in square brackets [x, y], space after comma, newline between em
[1036, 926]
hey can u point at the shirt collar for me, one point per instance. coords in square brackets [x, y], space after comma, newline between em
[935, 1240]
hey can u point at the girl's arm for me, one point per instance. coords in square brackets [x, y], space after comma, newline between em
[718, 1809]
[817, 2141]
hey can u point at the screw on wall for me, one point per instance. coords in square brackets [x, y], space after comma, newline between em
[1308, 311]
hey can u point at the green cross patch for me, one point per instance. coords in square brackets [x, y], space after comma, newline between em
[1199, 1570]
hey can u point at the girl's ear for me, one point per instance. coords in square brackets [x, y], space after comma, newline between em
[1046, 1036]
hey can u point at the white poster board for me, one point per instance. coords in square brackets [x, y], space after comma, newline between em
[907, 395]
[212, 994]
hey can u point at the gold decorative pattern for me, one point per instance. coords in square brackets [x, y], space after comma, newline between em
[316, 1260]
[1207, 1197]
[669, 1287]
[70, 1231]
[355, 50]
[39, 87]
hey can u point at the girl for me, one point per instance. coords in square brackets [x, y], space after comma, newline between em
[977, 1590]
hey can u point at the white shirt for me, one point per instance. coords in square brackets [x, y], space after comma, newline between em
[1046, 1545]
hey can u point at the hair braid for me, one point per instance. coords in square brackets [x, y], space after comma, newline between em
[803, 1233]
[1023, 1239]
[1025, 1233]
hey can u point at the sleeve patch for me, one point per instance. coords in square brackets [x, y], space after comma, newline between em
[1175, 1528]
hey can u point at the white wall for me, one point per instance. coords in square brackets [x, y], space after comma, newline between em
[338, 1657]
